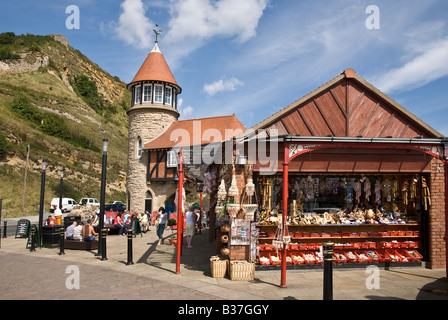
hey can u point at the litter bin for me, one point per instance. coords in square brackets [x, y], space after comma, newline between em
[51, 236]
[68, 220]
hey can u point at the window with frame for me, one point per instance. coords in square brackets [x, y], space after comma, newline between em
[168, 95]
[138, 94]
[139, 147]
[158, 94]
[147, 91]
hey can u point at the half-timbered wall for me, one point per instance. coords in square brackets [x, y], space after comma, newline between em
[157, 169]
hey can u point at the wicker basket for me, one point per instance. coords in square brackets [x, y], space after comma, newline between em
[219, 268]
[241, 270]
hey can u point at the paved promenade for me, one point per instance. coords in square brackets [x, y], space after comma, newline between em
[43, 274]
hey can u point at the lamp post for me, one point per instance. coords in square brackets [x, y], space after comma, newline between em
[180, 223]
[102, 194]
[42, 194]
[61, 185]
[284, 215]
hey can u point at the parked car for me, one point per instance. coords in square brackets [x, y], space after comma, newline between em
[114, 207]
[68, 204]
[89, 201]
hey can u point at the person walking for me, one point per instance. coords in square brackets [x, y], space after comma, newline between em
[161, 223]
[191, 219]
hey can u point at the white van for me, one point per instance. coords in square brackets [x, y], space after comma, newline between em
[89, 202]
[67, 204]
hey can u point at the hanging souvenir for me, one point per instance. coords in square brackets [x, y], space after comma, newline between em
[405, 192]
[222, 193]
[349, 186]
[249, 207]
[357, 189]
[426, 195]
[367, 189]
[233, 190]
[394, 188]
[378, 192]
[413, 191]
[387, 189]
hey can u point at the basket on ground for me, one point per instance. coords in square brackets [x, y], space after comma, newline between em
[218, 267]
[241, 270]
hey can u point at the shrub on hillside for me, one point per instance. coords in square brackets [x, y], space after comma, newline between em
[89, 93]
[7, 54]
[4, 146]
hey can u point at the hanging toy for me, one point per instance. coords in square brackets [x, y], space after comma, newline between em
[357, 189]
[405, 192]
[413, 191]
[387, 188]
[394, 188]
[367, 189]
[378, 192]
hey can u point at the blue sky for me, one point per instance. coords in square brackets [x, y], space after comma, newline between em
[254, 57]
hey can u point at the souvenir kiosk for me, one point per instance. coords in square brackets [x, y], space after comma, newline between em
[351, 166]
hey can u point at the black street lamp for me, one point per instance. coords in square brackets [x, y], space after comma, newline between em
[42, 194]
[102, 194]
[61, 188]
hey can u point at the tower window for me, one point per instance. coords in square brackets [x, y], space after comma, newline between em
[158, 94]
[147, 90]
[139, 147]
[138, 94]
[168, 95]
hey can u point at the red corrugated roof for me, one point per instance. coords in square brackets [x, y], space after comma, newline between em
[197, 132]
[155, 68]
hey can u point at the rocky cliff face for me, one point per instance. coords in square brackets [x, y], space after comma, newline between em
[41, 73]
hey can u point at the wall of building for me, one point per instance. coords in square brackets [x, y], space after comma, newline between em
[437, 215]
[146, 123]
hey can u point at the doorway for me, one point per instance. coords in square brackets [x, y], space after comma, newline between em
[148, 202]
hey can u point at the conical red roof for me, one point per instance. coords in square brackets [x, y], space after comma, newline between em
[155, 68]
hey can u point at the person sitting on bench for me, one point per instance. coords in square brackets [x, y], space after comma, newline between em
[88, 232]
[70, 231]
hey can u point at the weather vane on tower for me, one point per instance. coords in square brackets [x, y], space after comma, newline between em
[157, 32]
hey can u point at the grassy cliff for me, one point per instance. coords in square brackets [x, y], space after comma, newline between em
[62, 105]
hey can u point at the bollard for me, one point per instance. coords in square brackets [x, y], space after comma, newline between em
[129, 231]
[328, 270]
[5, 223]
[61, 241]
[103, 244]
[33, 238]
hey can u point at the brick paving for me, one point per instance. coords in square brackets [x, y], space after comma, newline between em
[42, 275]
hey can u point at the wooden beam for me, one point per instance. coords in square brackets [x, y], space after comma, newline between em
[338, 103]
[368, 119]
[306, 122]
[392, 115]
[323, 116]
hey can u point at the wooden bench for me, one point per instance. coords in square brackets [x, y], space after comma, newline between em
[80, 245]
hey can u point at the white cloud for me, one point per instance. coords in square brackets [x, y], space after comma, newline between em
[429, 65]
[133, 26]
[204, 19]
[186, 111]
[222, 85]
[193, 22]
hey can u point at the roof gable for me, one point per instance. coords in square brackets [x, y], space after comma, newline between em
[347, 106]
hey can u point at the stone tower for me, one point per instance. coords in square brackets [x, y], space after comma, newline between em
[153, 109]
